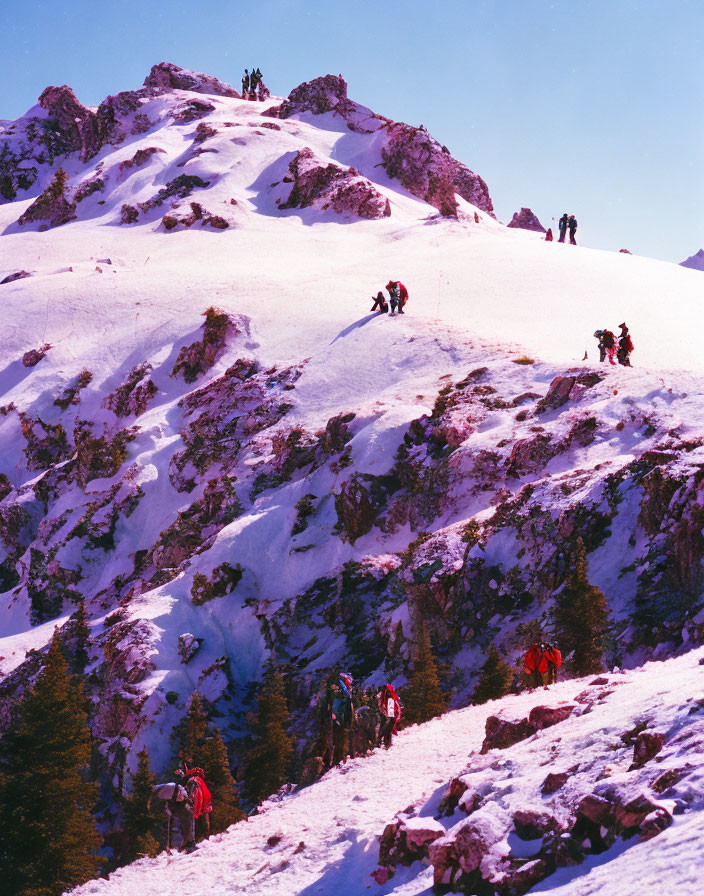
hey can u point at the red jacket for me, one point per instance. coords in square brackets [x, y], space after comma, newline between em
[537, 659]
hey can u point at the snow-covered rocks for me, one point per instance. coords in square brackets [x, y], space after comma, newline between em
[17, 275]
[330, 186]
[526, 220]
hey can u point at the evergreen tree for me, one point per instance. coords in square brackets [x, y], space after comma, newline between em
[58, 184]
[193, 730]
[581, 617]
[137, 823]
[81, 634]
[50, 838]
[226, 798]
[423, 698]
[273, 748]
[495, 678]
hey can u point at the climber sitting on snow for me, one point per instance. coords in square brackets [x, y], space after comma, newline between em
[541, 663]
[390, 709]
[380, 303]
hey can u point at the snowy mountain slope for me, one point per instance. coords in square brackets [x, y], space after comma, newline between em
[695, 262]
[166, 496]
[326, 838]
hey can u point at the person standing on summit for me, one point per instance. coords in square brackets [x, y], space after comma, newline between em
[572, 224]
[562, 224]
[245, 84]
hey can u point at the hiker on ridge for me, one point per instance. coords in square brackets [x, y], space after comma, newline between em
[625, 346]
[245, 84]
[562, 224]
[542, 659]
[572, 224]
[390, 709]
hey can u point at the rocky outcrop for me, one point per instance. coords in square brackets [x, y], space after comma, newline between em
[526, 220]
[195, 359]
[327, 94]
[192, 110]
[134, 394]
[418, 162]
[646, 747]
[79, 127]
[503, 733]
[18, 275]
[141, 157]
[197, 215]
[165, 76]
[330, 186]
[53, 206]
[35, 355]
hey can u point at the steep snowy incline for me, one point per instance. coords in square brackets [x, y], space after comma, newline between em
[325, 839]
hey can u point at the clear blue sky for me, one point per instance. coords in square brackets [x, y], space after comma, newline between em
[593, 107]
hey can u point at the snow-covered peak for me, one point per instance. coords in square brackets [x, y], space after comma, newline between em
[696, 261]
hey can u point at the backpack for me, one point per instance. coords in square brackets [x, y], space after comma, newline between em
[403, 292]
[608, 339]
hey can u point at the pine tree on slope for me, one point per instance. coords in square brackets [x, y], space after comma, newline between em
[81, 633]
[137, 822]
[223, 788]
[423, 698]
[49, 834]
[581, 617]
[495, 678]
[271, 754]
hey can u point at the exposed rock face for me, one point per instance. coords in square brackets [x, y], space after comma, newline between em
[200, 356]
[330, 186]
[132, 396]
[648, 744]
[18, 275]
[526, 220]
[79, 126]
[35, 355]
[141, 157]
[165, 76]
[52, 206]
[192, 110]
[197, 215]
[326, 94]
[418, 162]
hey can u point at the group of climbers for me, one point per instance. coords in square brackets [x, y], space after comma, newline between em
[253, 87]
[354, 722]
[398, 296]
[609, 348]
[541, 662]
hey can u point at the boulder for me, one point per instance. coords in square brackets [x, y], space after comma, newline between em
[558, 394]
[165, 76]
[18, 275]
[553, 782]
[526, 220]
[531, 455]
[188, 646]
[648, 744]
[408, 840]
[450, 800]
[502, 733]
[545, 716]
[597, 809]
[530, 824]
[331, 186]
